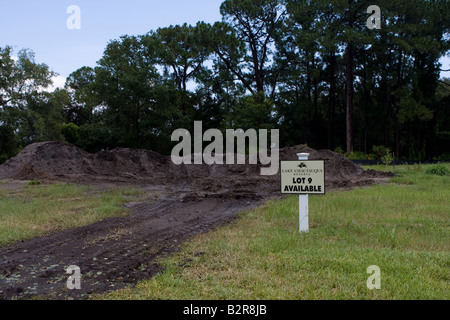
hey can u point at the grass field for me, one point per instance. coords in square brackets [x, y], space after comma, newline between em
[33, 209]
[402, 227]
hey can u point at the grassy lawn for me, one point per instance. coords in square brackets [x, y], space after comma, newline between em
[402, 227]
[35, 210]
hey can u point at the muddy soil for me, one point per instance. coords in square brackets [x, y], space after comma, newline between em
[118, 252]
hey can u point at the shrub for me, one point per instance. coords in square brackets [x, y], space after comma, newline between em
[438, 169]
[444, 157]
[71, 133]
[339, 150]
[357, 155]
[380, 151]
[387, 158]
[8, 143]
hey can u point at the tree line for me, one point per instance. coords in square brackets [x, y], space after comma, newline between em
[312, 69]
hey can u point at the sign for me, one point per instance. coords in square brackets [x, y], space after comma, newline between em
[303, 177]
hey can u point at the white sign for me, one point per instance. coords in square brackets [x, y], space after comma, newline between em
[303, 177]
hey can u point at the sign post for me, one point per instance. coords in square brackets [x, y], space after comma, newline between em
[303, 177]
[303, 200]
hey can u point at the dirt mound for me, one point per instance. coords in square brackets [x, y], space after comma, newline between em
[59, 161]
[336, 165]
[54, 161]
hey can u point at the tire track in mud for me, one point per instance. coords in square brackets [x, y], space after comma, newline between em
[112, 253]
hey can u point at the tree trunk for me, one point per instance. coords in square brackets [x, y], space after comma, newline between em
[349, 110]
[316, 119]
[258, 72]
[331, 101]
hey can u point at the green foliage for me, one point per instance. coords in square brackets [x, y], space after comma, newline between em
[357, 155]
[410, 110]
[254, 23]
[94, 138]
[138, 103]
[81, 88]
[71, 133]
[8, 143]
[439, 169]
[380, 151]
[33, 115]
[180, 49]
[387, 158]
[444, 157]
[254, 111]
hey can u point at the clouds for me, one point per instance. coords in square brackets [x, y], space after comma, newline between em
[58, 82]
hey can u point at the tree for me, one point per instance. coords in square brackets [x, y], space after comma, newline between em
[25, 107]
[125, 79]
[311, 46]
[251, 112]
[216, 95]
[311, 68]
[83, 96]
[254, 23]
[441, 144]
[407, 53]
[21, 78]
[179, 49]
[230, 51]
[137, 105]
[181, 53]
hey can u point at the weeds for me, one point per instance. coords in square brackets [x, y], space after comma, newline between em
[438, 169]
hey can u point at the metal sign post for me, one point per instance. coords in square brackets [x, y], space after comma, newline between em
[303, 203]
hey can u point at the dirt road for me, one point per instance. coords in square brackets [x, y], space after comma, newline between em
[112, 253]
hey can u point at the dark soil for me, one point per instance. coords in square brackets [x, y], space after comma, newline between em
[118, 252]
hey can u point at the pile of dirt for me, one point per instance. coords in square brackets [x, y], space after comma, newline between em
[54, 161]
[59, 161]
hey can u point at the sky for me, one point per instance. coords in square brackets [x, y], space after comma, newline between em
[41, 25]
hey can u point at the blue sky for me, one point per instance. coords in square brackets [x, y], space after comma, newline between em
[40, 25]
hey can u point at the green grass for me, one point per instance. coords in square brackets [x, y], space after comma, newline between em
[402, 227]
[37, 209]
[439, 169]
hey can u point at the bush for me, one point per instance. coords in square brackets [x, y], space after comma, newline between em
[438, 169]
[444, 157]
[8, 143]
[387, 158]
[71, 133]
[383, 154]
[380, 151]
[357, 155]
